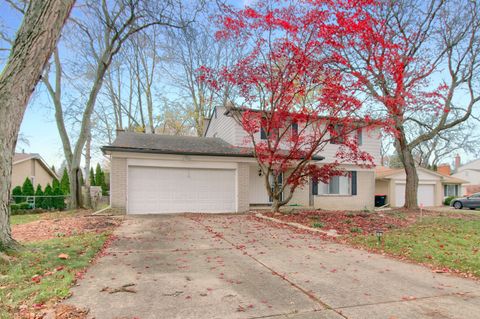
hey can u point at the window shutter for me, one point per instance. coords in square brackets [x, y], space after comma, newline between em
[263, 134]
[295, 129]
[314, 187]
[360, 136]
[354, 182]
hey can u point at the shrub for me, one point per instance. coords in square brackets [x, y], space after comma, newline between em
[356, 230]
[448, 200]
[47, 202]
[91, 176]
[317, 225]
[58, 202]
[65, 182]
[23, 205]
[17, 194]
[24, 208]
[100, 179]
[55, 183]
[39, 199]
[27, 188]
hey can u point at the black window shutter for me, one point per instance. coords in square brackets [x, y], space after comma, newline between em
[314, 187]
[354, 182]
[295, 129]
[263, 134]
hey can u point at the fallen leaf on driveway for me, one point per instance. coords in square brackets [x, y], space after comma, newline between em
[124, 288]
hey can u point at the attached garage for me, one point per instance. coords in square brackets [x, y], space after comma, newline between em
[153, 190]
[161, 174]
[425, 194]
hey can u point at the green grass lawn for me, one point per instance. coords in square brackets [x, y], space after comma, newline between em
[28, 218]
[41, 258]
[440, 241]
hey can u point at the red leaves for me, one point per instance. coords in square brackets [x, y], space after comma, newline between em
[343, 222]
[293, 74]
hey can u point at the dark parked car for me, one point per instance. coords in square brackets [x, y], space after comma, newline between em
[472, 202]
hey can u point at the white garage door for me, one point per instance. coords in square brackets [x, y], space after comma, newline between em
[155, 190]
[426, 195]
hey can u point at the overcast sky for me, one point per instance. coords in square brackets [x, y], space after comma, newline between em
[38, 126]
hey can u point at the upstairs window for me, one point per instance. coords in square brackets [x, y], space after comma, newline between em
[264, 135]
[360, 136]
[337, 134]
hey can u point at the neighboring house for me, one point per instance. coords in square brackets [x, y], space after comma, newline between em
[217, 173]
[470, 172]
[433, 187]
[32, 166]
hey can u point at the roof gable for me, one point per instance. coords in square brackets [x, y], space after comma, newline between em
[23, 157]
[423, 174]
[473, 165]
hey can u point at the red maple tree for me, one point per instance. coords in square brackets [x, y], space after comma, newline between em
[294, 96]
[420, 64]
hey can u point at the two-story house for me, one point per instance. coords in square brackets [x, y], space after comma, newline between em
[217, 173]
[470, 172]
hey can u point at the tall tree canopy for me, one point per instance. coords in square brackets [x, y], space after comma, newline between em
[293, 88]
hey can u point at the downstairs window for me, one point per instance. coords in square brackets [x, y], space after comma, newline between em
[338, 185]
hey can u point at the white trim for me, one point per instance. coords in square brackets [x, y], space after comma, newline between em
[419, 183]
[186, 162]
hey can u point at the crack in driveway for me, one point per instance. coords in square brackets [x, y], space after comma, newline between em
[273, 271]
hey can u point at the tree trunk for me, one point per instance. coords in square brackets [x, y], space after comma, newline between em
[88, 145]
[75, 185]
[411, 187]
[405, 154]
[6, 156]
[276, 204]
[33, 46]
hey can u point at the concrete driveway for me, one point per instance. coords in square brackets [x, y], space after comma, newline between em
[238, 267]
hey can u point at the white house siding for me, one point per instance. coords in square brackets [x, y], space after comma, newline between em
[227, 128]
[222, 126]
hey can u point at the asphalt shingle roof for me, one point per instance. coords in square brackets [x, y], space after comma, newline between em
[173, 144]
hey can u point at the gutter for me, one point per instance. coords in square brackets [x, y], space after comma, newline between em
[106, 149]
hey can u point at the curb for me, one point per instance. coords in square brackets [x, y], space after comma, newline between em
[331, 233]
[98, 212]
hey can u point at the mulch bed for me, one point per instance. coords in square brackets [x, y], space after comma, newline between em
[61, 227]
[347, 222]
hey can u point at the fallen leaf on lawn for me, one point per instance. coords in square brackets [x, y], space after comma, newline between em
[36, 278]
[63, 256]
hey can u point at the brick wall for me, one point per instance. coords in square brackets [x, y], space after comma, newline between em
[243, 199]
[118, 183]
